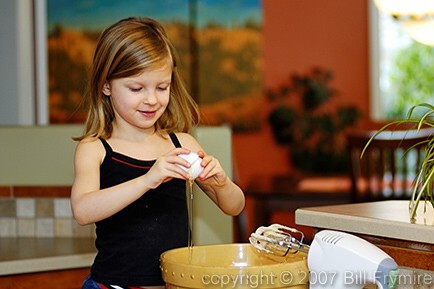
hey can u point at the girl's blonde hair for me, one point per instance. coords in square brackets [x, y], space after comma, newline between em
[127, 48]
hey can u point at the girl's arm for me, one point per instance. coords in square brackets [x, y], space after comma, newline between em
[91, 204]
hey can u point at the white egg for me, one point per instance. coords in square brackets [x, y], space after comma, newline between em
[195, 169]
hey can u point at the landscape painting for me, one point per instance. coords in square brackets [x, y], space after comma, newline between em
[219, 44]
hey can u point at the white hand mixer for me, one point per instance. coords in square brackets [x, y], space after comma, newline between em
[335, 259]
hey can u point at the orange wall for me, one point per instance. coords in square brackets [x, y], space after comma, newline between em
[300, 34]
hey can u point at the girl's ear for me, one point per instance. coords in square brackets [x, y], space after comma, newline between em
[106, 89]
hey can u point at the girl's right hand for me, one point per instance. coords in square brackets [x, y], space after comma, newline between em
[168, 167]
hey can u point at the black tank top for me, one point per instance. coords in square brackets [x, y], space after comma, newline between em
[130, 242]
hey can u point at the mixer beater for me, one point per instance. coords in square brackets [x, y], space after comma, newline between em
[278, 240]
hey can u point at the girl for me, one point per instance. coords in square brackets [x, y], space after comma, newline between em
[128, 174]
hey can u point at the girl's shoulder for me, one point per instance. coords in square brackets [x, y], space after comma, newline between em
[90, 146]
[90, 142]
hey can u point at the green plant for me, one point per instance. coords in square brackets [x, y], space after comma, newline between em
[411, 77]
[303, 119]
[424, 182]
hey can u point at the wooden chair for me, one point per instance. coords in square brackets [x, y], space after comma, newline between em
[389, 165]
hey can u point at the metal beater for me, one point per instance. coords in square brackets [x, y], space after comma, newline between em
[278, 240]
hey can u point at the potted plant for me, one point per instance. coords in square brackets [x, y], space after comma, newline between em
[304, 119]
[424, 182]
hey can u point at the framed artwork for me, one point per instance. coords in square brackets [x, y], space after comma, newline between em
[219, 44]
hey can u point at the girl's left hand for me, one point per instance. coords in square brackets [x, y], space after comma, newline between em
[213, 172]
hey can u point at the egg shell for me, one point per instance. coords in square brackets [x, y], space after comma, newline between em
[195, 169]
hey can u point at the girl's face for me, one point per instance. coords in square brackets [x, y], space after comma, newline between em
[140, 100]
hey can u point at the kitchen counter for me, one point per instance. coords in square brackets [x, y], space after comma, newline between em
[30, 255]
[389, 219]
[386, 224]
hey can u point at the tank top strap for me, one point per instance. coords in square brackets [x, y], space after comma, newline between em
[175, 139]
[107, 147]
[172, 135]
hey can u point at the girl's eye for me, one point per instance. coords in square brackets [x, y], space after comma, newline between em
[135, 89]
[163, 88]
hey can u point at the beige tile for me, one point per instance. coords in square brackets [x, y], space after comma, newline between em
[44, 208]
[63, 227]
[62, 208]
[44, 227]
[26, 227]
[7, 208]
[8, 227]
[25, 207]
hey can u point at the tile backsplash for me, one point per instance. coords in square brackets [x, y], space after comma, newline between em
[40, 217]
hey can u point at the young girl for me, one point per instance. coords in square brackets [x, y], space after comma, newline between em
[129, 178]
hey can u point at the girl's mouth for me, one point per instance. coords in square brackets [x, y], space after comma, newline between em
[146, 113]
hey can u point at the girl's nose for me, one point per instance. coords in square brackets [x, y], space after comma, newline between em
[150, 98]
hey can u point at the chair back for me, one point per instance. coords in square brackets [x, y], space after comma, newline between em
[389, 165]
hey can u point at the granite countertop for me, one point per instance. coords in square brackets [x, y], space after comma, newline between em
[389, 219]
[28, 255]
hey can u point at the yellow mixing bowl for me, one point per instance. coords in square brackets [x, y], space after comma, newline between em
[232, 266]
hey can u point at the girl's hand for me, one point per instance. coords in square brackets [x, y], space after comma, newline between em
[168, 167]
[213, 173]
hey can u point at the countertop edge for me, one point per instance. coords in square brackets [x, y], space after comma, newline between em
[374, 227]
[46, 264]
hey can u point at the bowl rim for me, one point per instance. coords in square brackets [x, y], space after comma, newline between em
[279, 261]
